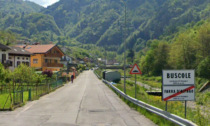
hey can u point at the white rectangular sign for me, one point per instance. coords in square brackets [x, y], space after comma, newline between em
[178, 77]
[178, 93]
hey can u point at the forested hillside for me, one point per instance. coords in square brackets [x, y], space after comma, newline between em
[22, 17]
[163, 34]
[102, 22]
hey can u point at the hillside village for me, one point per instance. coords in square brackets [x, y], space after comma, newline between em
[127, 44]
[40, 57]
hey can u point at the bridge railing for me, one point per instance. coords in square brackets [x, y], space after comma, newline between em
[171, 117]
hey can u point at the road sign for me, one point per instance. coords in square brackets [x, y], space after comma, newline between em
[178, 85]
[178, 93]
[178, 77]
[135, 70]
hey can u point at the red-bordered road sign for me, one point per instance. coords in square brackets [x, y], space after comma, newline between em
[186, 90]
[178, 85]
[135, 70]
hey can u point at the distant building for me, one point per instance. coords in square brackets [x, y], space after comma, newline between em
[45, 57]
[17, 56]
[4, 55]
[65, 60]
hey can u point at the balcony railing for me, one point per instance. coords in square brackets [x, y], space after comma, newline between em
[52, 65]
[53, 55]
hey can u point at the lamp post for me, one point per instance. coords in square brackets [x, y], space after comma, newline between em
[124, 47]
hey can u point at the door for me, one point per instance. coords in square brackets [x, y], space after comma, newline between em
[3, 58]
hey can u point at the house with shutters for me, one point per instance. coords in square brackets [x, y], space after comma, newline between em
[18, 56]
[4, 54]
[45, 57]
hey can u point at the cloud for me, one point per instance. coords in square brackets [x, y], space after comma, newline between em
[45, 3]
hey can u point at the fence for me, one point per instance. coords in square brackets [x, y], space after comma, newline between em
[15, 94]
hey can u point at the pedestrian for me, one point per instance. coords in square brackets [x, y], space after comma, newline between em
[72, 78]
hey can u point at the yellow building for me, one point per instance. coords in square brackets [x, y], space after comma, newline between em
[45, 57]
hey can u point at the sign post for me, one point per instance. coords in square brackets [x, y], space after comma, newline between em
[135, 70]
[178, 85]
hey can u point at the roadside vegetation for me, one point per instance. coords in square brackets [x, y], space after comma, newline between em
[175, 107]
[24, 84]
[200, 114]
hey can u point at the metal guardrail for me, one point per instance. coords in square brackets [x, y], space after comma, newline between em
[97, 74]
[171, 117]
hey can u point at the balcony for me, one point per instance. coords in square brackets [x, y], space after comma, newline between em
[52, 65]
[53, 55]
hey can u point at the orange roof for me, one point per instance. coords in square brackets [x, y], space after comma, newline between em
[37, 48]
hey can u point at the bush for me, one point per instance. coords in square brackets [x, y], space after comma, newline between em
[116, 80]
[49, 73]
[204, 68]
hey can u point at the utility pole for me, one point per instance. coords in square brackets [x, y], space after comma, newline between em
[125, 47]
[105, 58]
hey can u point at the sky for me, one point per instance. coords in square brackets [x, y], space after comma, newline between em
[44, 3]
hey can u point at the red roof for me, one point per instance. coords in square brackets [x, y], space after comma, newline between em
[37, 48]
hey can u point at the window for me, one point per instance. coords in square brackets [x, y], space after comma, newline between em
[10, 57]
[4, 58]
[26, 58]
[56, 61]
[10, 63]
[35, 61]
[18, 57]
[18, 63]
[23, 58]
[27, 63]
[46, 60]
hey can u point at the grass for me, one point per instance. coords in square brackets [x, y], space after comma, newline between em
[175, 107]
[155, 118]
[7, 99]
[3, 103]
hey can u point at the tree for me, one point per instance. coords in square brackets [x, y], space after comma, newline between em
[204, 40]
[2, 74]
[130, 57]
[48, 73]
[161, 55]
[23, 73]
[155, 59]
[183, 51]
[204, 68]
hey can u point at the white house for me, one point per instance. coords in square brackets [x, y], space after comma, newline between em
[65, 60]
[17, 56]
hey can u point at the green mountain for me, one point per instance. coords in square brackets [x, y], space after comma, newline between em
[102, 22]
[23, 17]
[14, 6]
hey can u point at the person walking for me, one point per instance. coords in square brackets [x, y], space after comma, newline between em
[72, 78]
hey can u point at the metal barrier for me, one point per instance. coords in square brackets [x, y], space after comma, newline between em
[171, 117]
[97, 74]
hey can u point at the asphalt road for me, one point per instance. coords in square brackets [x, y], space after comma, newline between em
[86, 102]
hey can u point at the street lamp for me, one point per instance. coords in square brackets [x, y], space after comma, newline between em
[124, 48]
